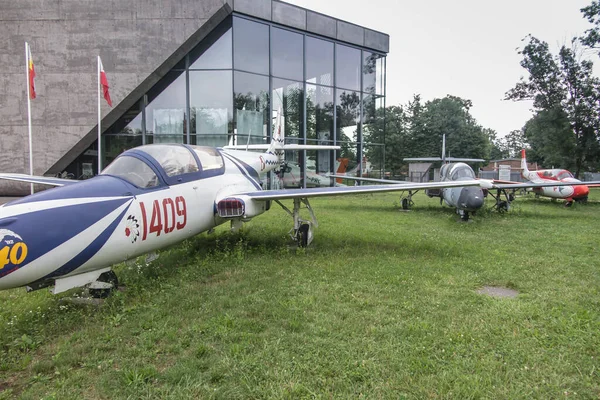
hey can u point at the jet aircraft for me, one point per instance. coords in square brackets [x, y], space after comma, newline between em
[467, 200]
[149, 197]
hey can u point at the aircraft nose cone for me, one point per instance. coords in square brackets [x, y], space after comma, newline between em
[471, 198]
[580, 191]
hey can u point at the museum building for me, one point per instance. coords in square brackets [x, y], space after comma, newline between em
[209, 72]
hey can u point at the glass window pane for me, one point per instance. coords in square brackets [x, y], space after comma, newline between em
[165, 114]
[289, 96]
[251, 46]
[214, 52]
[287, 50]
[175, 160]
[347, 135]
[211, 107]
[373, 135]
[373, 72]
[319, 112]
[319, 61]
[251, 105]
[347, 67]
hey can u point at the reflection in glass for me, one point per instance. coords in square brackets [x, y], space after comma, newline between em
[210, 107]
[251, 46]
[287, 50]
[348, 114]
[112, 146]
[347, 67]
[289, 97]
[319, 61]
[373, 73]
[251, 104]
[165, 114]
[214, 52]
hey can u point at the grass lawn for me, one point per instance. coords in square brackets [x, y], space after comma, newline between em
[382, 305]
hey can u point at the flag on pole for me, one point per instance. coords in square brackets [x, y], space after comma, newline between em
[31, 73]
[104, 83]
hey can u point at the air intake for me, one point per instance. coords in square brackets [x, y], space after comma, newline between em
[230, 207]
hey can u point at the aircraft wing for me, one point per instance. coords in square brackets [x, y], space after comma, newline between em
[357, 178]
[528, 185]
[46, 180]
[344, 190]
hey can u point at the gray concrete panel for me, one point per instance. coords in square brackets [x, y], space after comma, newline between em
[321, 24]
[350, 33]
[35, 10]
[287, 14]
[377, 40]
[255, 8]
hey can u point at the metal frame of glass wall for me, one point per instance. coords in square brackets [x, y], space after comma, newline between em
[233, 83]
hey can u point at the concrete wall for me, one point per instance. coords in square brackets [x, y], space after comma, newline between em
[132, 37]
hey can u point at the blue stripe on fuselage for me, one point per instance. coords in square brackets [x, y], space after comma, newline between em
[249, 172]
[89, 251]
[45, 230]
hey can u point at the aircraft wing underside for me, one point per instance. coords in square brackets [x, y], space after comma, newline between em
[526, 185]
[46, 180]
[346, 190]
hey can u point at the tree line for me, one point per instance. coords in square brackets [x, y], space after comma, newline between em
[564, 131]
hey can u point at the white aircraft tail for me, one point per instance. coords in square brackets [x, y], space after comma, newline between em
[277, 141]
[524, 169]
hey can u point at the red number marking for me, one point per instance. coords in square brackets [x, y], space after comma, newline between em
[181, 211]
[144, 224]
[156, 221]
[169, 217]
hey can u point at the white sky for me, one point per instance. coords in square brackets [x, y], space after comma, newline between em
[466, 48]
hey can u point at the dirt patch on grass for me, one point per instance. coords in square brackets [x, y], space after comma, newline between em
[498, 291]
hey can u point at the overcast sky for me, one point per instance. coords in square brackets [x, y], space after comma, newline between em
[466, 48]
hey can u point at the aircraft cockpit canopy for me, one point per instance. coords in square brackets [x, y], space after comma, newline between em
[563, 174]
[462, 172]
[174, 159]
[133, 170]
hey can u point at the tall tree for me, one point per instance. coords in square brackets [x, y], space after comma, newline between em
[592, 35]
[562, 84]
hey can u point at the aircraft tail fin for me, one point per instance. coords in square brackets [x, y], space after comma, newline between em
[524, 169]
[277, 141]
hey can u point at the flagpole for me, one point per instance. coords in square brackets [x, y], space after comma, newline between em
[99, 129]
[29, 112]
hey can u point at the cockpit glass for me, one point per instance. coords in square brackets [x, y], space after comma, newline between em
[210, 158]
[174, 159]
[563, 175]
[133, 170]
[463, 172]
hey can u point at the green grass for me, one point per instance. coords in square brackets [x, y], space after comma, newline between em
[383, 305]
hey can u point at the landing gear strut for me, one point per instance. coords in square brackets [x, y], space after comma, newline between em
[104, 285]
[302, 232]
[502, 205]
[407, 201]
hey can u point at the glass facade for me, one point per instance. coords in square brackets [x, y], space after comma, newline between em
[231, 87]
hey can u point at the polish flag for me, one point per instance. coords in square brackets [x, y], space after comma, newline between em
[104, 83]
[31, 71]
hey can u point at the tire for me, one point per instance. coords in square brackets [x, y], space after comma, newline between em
[405, 204]
[108, 277]
[302, 235]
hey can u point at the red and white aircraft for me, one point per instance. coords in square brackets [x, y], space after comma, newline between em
[148, 198]
[578, 192]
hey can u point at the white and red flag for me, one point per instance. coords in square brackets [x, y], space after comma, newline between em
[104, 83]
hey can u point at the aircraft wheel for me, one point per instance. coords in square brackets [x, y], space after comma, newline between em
[568, 203]
[405, 204]
[464, 216]
[302, 235]
[107, 277]
[503, 206]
